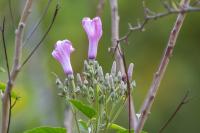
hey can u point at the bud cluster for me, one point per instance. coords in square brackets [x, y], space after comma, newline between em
[109, 87]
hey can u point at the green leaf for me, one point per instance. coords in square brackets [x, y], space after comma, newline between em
[86, 110]
[47, 130]
[117, 127]
[3, 87]
[121, 129]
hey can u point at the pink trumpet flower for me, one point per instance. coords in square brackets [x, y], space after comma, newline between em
[93, 28]
[61, 53]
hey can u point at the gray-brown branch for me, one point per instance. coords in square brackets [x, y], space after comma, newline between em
[118, 57]
[146, 106]
[19, 33]
[150, 15]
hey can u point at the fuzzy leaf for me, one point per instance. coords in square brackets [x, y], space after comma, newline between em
[86, 110]
[47, 130]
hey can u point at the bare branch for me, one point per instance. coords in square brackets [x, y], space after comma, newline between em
[6, 102]
[146, 107]
[150, 15]
[7, 65]
[5, 49]
[121, 65]
[178, 108]
[19, 38]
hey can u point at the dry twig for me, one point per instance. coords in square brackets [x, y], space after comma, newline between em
[121, 66]
[150, 15]
[146, 106]
[17, 57]
[180, 105]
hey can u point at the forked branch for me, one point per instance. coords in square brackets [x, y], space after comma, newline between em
[15, 69]
[146, 107]
[150, 15]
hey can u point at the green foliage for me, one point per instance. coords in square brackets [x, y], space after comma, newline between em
[117, 127]
[104, 94]
[86, 110]
[120, 129]
[13, 93]
[47, 130]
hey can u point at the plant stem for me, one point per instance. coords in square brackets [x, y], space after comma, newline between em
[76, 120]
[162, 68]
[118, 112]
[97, 108]
[71, 77]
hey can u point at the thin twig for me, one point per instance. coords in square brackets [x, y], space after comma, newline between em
[129, 92]
[115, 34]
[15, 69]
[149, 17]
[180, 105]
[7, 66]
[44, 36]
[11, 13]
[5, 49]
[119, 59]
[30, 34]
[14, 103]
[146, 106]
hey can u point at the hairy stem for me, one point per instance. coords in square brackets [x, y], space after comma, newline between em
[146, 107]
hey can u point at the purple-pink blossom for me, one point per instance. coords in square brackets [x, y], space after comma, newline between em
[93, 28]
[61, 53]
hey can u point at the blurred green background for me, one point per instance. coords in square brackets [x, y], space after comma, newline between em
[40, 104]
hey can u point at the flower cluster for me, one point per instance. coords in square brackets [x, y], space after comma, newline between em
[104, 92]
[64, 48]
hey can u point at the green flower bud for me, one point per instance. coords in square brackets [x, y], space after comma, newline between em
[111, 82]
[119, 76]
[78, 78]
[113, 69]
[85, 82]
[59, 83]
[130, 71]
[107, 83]
[86, 66]
[100, 74]
[91, 94]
